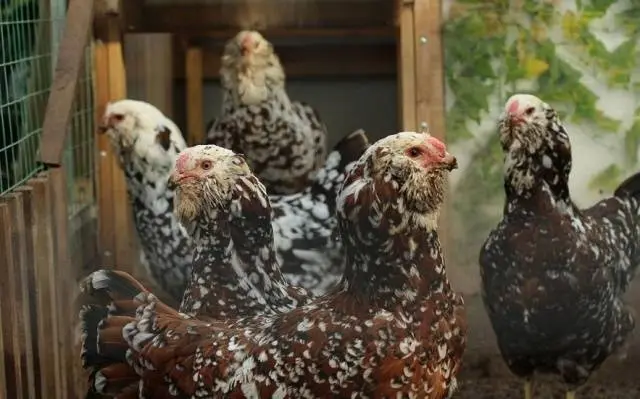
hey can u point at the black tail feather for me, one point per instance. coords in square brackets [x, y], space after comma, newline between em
[630, 187]
[347, 151]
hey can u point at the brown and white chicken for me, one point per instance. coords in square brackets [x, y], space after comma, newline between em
[393, 327]
[284, 141]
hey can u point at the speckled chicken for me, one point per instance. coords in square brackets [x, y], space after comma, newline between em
[284, 141]
[553, 275]
[226, 211]
[147, 144]
[393, 327]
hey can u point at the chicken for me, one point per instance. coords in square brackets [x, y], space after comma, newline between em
[147, 144]
[393, 327]
[284, 141]
[553, 275]
[226, 211]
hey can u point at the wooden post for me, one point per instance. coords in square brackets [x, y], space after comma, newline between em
[117, 242]
[406, 67]
[194, 93]
[421, 74]
[429, 83]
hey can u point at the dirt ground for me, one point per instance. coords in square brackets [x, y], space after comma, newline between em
[502, 388]
[485, 376]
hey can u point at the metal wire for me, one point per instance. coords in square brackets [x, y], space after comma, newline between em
[29, 40]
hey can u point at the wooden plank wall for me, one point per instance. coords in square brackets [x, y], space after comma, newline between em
[37, 316]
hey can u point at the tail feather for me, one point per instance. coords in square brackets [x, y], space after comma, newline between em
[630, 187]
[116, 300]
[339, 161]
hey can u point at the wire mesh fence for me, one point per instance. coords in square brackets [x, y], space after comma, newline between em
[25, 76]
[30, 34]
[79, 153]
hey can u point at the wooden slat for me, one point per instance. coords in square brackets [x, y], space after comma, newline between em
[356, 60]
[21, 238]
[406, 68]
[194, 95]
[15, 378]
[63, 89]
[106, 219]
[65, 277]
[46, 286]
[116, 249]
[3, 349]
[337, 14]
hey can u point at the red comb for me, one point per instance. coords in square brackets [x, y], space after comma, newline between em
[513, 107]
[437, 144]
[181, 162]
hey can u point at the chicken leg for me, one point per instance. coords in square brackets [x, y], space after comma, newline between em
[528, 389]
[571, 395]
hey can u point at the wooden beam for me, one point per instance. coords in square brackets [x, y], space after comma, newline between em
[330, 14]
[311, 61]
[117, 242]
[429, 85]
[294, 33]
[194, 95]
[63, 89]
[406, 68]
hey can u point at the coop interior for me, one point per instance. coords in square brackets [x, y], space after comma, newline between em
[442, 67]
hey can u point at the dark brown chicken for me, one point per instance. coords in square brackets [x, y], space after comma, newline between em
[553, 275]
[392, 328]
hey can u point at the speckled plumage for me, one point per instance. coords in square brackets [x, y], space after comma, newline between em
[225, 209]
[392, 328]
[284, 141]
[146, 143]
[553, 275]
[303, 223]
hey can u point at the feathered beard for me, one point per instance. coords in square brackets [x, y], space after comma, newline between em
[195, 201]
[424, 191]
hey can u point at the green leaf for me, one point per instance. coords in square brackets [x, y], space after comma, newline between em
[607, 179]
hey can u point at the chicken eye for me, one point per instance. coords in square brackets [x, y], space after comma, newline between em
[118, 117]
[414, 152]
[529, 111]
[206, 165]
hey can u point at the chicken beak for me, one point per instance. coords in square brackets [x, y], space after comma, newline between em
[102, 129]
[449, 162]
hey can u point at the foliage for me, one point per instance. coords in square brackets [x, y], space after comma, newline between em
[499, 47]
